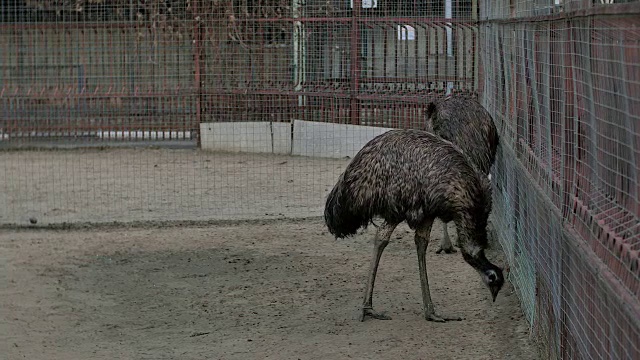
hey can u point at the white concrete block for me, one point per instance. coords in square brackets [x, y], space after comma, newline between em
[331, 140]
[252, 137]
[281, 137]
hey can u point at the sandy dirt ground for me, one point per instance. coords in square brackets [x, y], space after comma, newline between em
[143, 184]
[277, 290]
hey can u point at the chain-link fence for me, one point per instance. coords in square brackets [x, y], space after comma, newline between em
[259, 80]
[563, 82]
[257, 105]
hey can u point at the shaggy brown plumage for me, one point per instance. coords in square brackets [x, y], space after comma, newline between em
[462, 120]
[414, 176]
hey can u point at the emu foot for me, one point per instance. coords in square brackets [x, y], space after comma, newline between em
[376, 315]
[447, 250]
[441, 318]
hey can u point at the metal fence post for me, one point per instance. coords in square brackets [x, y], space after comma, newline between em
[355, 62]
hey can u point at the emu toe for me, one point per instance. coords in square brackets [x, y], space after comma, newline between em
[447, 250]
[442, 318]
[376, 315]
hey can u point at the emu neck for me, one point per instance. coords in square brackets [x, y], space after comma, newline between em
[478, 261]
[472, 240]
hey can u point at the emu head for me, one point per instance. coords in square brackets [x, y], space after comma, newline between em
[494, 279]
[431, 112]
[491, 274]
[431, 109]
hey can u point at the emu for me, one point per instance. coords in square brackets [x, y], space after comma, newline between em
[462, 120]
[414, 176]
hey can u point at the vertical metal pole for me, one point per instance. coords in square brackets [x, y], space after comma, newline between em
[448, 13]
[592, 151]
[474, 10]
[569, 128]
[299, 52]
[475, 47]
[628, 137]
[197, 38]
[129, 58]
[355, 62]
[546, 99]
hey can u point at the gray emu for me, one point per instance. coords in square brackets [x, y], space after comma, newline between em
[462, 120]
[414, 176]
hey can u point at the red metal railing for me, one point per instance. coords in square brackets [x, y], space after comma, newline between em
[563, 87]
[83, 79]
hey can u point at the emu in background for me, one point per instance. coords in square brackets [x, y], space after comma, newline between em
[462, 120]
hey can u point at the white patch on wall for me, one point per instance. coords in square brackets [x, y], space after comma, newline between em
[406, 32]
[367, 4]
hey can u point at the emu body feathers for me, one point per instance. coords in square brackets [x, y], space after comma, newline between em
[414, 176]
[462, 120]
[407, 175]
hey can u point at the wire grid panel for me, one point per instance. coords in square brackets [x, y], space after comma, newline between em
[95, 78]
[283, 92]
[563, 88]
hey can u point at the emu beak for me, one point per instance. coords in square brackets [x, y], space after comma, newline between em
[494, 292]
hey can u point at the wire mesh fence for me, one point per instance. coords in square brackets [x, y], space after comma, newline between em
[255, 81]
[201, 110]
[562, 81]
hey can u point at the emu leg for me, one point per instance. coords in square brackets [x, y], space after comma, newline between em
[380, 242]
[445, 243]
[422, 240]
